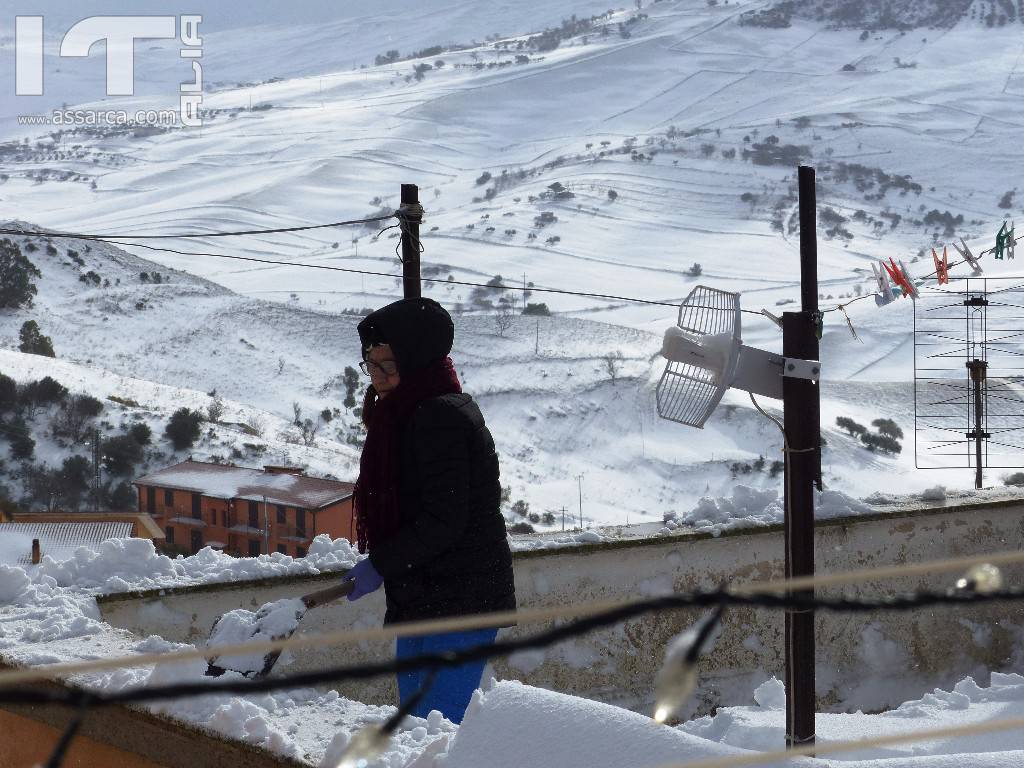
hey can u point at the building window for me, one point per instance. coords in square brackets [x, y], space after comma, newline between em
[151, 500]
[282, 549]
[168, 498]
[300, 522]
[197, 540]
[281, 517]
[169, 533]
[224, 518]
[254, 547]
[254, 514]
[197, 506]
[300, 551]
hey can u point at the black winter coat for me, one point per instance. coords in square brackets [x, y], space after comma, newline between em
[450, 555]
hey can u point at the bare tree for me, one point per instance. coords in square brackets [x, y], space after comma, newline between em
[503, 319]
[257, 424]
[613, 363]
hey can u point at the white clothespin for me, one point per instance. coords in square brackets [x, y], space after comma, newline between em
[966, 255]
[773, 318]
[884, 295]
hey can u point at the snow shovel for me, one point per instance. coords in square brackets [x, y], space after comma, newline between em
[274, 621]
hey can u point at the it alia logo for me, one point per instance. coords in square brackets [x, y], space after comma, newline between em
[119, 33]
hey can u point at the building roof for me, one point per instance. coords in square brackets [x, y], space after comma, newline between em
[223, 481]
[59, 540]
[143, 526]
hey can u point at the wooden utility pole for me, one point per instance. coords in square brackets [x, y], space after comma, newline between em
[96, 470]
[801, 408]
[579, 479]
[411, 214]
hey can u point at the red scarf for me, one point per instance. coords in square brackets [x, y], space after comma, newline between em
[375, 497]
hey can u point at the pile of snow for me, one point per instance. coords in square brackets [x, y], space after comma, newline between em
[14, 546]
[552, 541]
[750, 507]
[48, 614]
[122, 565]
[511, 725]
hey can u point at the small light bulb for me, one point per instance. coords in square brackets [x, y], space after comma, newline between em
[673, 687]
[984, 579]
[364, 747]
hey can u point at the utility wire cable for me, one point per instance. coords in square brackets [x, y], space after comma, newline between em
[330, 268]
[190, 235]
[488, 620]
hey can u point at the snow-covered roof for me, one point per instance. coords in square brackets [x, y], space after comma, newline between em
[60, 540]
[226, 482]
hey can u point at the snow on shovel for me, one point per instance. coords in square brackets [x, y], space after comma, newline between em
[274, 621]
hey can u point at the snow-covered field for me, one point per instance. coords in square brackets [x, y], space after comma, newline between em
[660, 118]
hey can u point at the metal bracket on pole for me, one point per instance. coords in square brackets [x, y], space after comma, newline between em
[802, 369]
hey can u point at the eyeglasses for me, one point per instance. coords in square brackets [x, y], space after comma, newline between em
[386, 368]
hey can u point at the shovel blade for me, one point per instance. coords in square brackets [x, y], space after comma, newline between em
[250, 667]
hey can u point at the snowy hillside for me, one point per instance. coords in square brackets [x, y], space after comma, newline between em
[606, 154]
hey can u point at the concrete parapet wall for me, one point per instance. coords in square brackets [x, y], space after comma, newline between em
[866, 661]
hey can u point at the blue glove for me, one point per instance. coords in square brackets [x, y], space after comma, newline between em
[366, 578]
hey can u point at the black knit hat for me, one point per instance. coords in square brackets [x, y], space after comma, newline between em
[420, 331]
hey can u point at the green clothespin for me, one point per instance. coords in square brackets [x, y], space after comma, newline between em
[1001, 241]
[818, 318]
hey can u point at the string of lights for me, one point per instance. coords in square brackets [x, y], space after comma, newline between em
[521, 617]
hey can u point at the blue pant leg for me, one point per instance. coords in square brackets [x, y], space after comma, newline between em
[453, 687]
[408, 682]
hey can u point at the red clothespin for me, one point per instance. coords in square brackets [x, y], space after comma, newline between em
[897, 276]
[941, 267]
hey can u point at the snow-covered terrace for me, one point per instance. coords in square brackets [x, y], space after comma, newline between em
[125, 599]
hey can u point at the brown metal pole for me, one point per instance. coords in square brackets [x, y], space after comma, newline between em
[36, 554]
[801, 408]
[411, 215]
[978, 370]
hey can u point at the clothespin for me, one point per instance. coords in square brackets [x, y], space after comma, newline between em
[773, 318]
[966, 255]
[1011, 242]
[1001, 237]
[884, 295]
[909, 281]
[941, 267]
[901, 277]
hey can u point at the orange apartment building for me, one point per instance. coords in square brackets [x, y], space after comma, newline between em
[245, 511]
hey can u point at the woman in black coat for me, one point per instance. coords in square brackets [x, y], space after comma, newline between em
[427, 498]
